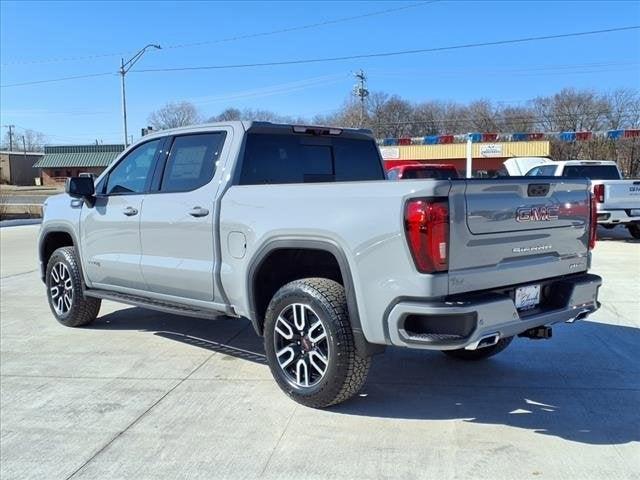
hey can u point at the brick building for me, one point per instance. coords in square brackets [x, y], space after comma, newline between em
[63, 161]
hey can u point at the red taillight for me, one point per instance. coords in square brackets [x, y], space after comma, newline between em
[426, 224]
[593, 225]
[598, 191]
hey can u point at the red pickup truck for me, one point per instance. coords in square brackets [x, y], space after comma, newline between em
[437, 171]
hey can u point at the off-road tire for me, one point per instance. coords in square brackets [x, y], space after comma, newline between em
[481, 353]
[346, 370]
[634, 230]
[84, 310]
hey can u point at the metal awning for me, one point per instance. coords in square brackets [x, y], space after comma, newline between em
[67, 156]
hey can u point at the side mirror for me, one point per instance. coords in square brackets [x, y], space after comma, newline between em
[81, 187]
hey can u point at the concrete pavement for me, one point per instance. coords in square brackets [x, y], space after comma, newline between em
[141, 394]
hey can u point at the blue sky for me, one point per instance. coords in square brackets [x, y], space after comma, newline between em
[37, 39]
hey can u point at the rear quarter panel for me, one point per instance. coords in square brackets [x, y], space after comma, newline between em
[363, 219]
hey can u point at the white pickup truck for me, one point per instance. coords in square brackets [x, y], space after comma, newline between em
[618, 200]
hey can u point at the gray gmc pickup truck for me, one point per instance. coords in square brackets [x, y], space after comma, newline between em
[297, 229]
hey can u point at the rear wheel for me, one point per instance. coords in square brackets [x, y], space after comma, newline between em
[481, 353]
[634, 230]
[309, 343]
[64, 290]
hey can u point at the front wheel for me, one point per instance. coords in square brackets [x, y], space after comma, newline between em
[64, 290]
[309, 343]
[481, 353]
[634, 230]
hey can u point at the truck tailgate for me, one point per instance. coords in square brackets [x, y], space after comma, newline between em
[516, 230]
[621, 194]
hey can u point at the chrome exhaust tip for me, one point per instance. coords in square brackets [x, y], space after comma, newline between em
[485, 341]
[580, 316]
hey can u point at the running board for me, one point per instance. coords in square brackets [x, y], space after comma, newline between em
[153, 304]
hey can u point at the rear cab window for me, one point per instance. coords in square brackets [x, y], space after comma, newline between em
[593, 172]
[277, 158]
[432, 173]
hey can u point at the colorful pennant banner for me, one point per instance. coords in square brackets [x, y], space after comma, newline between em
[512, 137]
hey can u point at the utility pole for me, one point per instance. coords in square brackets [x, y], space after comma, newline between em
[360, 90]
[24, 149]
[469, 166]
[10, 127]
[124, 69]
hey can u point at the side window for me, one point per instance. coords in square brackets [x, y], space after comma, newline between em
[192, 161]
[132, 173]
[392, 174]
[534, 172]
[548, 171]
[283, 158]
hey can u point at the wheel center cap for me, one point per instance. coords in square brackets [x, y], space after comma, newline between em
[306, 344]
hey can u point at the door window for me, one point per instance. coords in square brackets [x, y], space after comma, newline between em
[133, 172]
[192, 161]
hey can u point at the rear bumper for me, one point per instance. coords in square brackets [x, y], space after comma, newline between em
[617, 217]
[463, 322]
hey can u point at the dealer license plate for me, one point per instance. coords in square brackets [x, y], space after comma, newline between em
[635, 213]
[527, 297]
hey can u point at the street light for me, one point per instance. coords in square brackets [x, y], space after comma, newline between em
[124, 69]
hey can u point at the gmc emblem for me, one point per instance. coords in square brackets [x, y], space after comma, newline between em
[536, 214]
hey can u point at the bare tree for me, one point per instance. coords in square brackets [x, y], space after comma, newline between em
[175, 114]
[227, 115]
[429, 118]
[570, 110]
[34, 141]
[482, 116]
[389, 116]
[255, 115]
[622, 107]
[516, 119]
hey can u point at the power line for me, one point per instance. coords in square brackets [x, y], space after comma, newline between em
[233, 38]
[282, 88]
[303, 27]
[342, 58]
[533, 70]
[392, 54]
[60, 79]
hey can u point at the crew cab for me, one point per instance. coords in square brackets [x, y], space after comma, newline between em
[618, 200]
[297, 229]
[438, 171]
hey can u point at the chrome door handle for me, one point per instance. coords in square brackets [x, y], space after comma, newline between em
[198, 212]
[129, 211]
